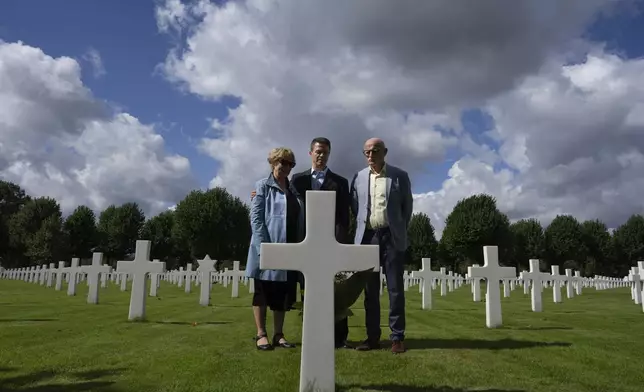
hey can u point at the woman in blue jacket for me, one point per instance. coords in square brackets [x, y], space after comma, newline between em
[276, 217]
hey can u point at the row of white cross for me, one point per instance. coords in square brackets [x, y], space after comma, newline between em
[75, 273]
[320, 257]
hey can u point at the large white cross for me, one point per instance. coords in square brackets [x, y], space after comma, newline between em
[536, 281]
[492, 273]
[236, 274]
[206, 268]
[570, 292]
[93, 272]
[72, 276]
[139, 268]
[427, 276]
[640, 267]
[319, 257]
[635, 277]
[59, 275]
[557, 280]
[50, 275]
[188, 275]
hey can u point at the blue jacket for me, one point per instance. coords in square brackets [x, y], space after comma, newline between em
[268, 223]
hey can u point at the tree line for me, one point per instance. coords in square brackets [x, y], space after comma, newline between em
[33, 231]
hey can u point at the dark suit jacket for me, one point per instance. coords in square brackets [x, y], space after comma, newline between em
[332, 182]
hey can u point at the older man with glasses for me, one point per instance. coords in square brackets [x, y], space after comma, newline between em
[382, 203]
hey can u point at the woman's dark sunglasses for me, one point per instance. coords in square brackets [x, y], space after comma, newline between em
[286, 162]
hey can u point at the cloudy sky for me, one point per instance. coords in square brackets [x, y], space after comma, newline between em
[539, 103]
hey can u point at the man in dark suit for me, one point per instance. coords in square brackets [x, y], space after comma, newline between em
[319, 177]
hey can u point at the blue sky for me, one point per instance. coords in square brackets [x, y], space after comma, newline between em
[125, 34]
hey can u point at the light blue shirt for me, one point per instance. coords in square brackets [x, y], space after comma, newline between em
[317, 178]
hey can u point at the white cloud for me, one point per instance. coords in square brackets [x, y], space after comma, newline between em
[57, 140]
[94, 58]
[567, 135]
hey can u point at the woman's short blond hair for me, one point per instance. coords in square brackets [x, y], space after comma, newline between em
[280, 153]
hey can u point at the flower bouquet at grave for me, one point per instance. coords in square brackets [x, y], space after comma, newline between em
[346, 293]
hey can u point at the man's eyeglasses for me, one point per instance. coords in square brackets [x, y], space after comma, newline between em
[372, 151]
[286, 162]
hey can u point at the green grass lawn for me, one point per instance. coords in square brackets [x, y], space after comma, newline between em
[52, 342]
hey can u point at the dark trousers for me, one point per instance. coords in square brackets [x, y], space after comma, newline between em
[392, 263]
[341, 327]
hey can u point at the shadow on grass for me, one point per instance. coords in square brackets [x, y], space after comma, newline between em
[413, 388]
[190, 322]
[33, 320]
[541, 328]
[87, 382]
[230, 306]
[473, 344]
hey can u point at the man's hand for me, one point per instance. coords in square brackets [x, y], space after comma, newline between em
[252, 194]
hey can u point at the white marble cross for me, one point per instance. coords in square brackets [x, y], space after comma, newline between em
[536, 282]
[188, 275]
[640, 267]
[59, 275]
[236, 274]
[557, 280]
[492, 273]
[319, 257]
[635, 277]
[427, 276]
[570, 293]
[206, 268]
[72, 276]
[139, 268]
[93, 272]
[50, 275]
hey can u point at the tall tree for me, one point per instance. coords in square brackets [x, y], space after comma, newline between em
[214, 223]
[629, 243]
[81, 232]
[473, 223]
[36, 230]
[12, 198]
[119, 228]
[422, 241]
[565, 243]
[599, 246]
[527, 242]
[158, 230]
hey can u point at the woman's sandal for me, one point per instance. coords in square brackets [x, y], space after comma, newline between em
[284, 344]
[262, 347]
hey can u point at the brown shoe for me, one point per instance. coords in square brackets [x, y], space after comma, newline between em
[368, 345]
[397, 347]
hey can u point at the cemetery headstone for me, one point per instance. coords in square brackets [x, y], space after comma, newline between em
[139, 268]
[319, 257]
[492, 273]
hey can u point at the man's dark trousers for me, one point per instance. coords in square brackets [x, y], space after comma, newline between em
[392, 263]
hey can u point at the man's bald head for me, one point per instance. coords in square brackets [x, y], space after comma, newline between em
[375, 152]
[375, 142]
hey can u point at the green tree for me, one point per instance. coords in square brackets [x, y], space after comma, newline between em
[599, 245]
[81, 232]
[474, 223]
[629, 243]
[527, 242]
[36, 230]
[213, 222]
[119, 228]
[159, 230]
[565, 243]
[422, 241]
[12, 198]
